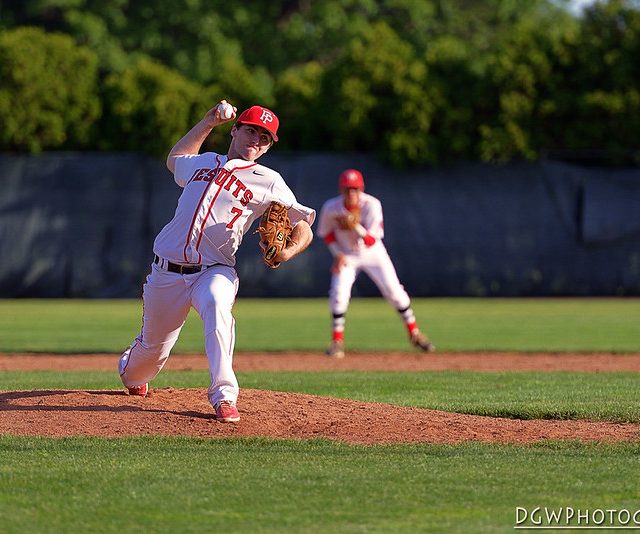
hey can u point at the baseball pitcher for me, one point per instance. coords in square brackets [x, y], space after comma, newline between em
[222, 196]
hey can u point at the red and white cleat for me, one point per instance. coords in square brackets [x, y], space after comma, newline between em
[226, 412]
[139, 391]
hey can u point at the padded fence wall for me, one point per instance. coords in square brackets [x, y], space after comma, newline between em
[82, 225]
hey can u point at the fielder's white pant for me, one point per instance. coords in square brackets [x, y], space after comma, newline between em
[375, 262]
[167, 299]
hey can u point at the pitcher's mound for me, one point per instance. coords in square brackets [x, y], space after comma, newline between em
[186, 412]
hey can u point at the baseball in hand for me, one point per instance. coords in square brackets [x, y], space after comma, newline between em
[226, 111]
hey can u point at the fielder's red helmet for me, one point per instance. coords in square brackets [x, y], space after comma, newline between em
[351, 178]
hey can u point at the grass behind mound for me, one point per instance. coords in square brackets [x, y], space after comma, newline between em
[463, 324]
[258, 485]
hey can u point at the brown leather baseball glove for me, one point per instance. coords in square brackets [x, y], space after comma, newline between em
[349, 220]
[275, 232]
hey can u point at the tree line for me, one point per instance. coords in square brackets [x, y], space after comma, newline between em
[418, 82]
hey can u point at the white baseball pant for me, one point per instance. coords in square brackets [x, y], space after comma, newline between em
[376, 263]
[167, 299]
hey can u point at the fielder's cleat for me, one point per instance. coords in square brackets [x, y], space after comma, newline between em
[226, 412]
[140, 391]
[335, 350]
[419, 340]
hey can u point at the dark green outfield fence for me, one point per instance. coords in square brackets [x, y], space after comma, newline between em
[82, 225]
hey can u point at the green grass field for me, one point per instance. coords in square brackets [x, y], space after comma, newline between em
[155, 484]
[372, 325]
[195, 485]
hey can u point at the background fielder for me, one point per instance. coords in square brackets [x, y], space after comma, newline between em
[352, 227]
[195, 252]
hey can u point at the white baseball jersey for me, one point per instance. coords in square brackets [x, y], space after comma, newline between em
[374, 259]
[220, 201]
[347, 241]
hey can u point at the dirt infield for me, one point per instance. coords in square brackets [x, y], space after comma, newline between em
[170, 411]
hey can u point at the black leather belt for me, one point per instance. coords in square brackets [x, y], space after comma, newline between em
[180, 269]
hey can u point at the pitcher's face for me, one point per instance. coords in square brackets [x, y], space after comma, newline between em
[249, 142]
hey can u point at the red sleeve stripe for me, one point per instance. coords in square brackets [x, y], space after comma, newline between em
[330, 238]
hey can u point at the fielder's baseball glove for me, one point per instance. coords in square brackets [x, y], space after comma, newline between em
[275, 232]
[349, 220]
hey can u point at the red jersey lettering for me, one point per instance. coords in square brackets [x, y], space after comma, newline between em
[229, 183]
[198, 174]
[222, 176]
[239, 187]
[210, 175]
[248, 195]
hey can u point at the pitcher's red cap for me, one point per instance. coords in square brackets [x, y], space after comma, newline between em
[351, 178]
[259, 116]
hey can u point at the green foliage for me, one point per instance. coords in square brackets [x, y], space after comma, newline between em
[455, 92]
[373, 96]
[149, 107]
[569, 87]
[297, 90]
[416, 82]
[48, 94]
[526, 72]
[608, 103]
